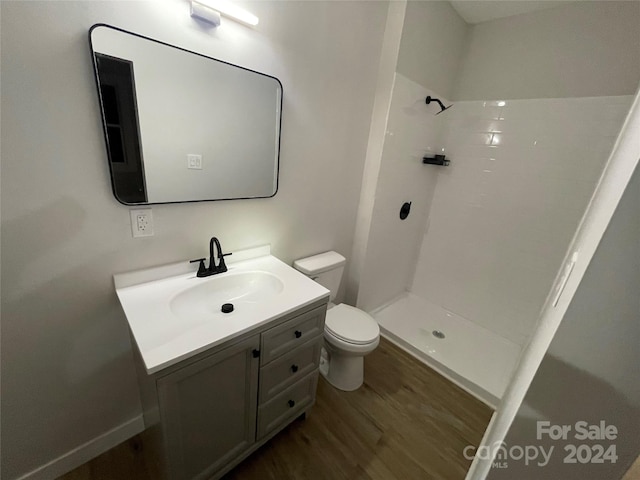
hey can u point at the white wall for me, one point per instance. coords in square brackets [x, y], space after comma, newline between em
[67, 374]
[506, 209]
[590, 372]
[430, 48]
[583, 49]
[413, 131]
[375, 145]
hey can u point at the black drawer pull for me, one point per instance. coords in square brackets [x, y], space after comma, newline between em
[298, 333]
[255, 353]
[294, 368]
[291, 403]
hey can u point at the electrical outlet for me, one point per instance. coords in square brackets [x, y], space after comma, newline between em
[141, 223]
[194, 161]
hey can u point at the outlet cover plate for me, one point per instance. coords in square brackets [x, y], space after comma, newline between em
[194, 161]
[141, 222]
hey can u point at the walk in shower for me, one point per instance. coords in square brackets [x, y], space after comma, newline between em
[538, 100]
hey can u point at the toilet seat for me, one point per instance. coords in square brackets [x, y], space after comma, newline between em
[351, 325]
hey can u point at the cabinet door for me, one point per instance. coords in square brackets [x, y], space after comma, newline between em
[208, 410]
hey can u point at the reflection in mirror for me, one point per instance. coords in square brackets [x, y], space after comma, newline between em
[180, 126]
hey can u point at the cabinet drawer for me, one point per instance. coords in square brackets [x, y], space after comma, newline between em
[287, 336]
[289, 368]
[281, 409]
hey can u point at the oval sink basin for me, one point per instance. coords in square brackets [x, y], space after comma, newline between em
[207, 298]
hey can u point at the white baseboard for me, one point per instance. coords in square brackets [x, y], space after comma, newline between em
[85, 452]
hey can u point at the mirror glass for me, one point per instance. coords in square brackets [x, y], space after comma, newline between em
[183, 127]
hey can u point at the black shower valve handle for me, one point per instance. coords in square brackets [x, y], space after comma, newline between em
[405, 210]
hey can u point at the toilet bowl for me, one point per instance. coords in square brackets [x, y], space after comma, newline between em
[349, 333]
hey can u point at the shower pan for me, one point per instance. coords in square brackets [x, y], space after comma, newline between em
[471, 356]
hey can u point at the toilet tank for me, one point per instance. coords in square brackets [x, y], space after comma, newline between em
[325, 268]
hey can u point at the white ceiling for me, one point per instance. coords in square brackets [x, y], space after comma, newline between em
[477, 11]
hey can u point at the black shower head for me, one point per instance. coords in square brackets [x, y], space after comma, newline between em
[430, 99]
[445, 108]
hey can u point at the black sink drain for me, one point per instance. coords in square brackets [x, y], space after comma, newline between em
[227, 308]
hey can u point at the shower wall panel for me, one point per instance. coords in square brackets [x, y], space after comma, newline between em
[521, 175]
[413, 130]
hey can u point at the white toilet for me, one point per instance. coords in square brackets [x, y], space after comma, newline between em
[349, 333]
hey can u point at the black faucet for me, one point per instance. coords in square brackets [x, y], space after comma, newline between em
[213, 268]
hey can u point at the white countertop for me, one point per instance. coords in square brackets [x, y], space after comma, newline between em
[165, 338]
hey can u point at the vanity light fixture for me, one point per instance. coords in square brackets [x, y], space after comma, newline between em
[205, 14]
[210, 11]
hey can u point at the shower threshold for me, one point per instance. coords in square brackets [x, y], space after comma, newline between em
[476, 359]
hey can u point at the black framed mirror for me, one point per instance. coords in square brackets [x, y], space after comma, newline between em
[183, 127]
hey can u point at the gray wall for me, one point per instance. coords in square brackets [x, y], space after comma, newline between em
[590, 372]
[67, 373]
[580, 50]
[433, 41]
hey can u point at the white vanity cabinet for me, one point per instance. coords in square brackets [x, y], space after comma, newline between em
[209, 412]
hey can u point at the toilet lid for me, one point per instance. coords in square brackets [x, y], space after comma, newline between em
[351, 325]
